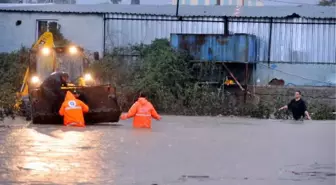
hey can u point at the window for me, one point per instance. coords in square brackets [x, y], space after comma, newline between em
[46, 25]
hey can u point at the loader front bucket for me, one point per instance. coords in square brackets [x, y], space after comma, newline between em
[102, 102]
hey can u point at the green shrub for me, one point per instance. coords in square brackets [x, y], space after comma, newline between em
[164, 72]
[167, 76]
[322, 112]
[12, 69]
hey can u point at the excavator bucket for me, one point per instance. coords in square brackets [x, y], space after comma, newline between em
[101, 100]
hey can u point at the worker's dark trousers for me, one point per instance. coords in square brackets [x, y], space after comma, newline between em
[55, 101]
[58, 101]
[56, 105]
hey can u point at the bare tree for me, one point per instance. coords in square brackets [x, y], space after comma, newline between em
[327, 3]
[135, 2]
[115, 1]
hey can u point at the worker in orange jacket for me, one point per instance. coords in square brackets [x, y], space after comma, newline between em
[142, 111]
[73, 109]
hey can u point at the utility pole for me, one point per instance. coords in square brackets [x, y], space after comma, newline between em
[246, 66]
[177, 7]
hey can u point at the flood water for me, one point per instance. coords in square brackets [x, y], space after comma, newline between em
[177, 151]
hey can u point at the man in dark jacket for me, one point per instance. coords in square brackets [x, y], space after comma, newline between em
[51, 89]
[298, 107]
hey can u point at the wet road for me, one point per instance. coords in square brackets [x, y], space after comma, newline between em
[177, 151]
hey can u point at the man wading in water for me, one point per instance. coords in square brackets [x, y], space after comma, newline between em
[298, 107]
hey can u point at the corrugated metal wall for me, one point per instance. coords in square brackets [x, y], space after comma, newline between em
[122, 30]
[260, 28]
[302, 42]
[291, 41]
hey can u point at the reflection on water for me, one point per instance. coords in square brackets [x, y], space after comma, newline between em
[178, 150]
[59, 156]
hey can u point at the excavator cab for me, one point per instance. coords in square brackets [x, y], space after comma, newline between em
[46, 59]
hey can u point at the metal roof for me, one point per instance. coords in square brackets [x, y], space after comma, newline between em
[185, 10]
[2, 5]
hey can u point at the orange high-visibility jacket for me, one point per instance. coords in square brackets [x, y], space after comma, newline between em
[72, 109]
[142, 111]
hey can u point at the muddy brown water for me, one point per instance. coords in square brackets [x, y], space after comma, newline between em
[177, 151]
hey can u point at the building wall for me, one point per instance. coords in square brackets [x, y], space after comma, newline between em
[290, 43]
[123, 32]
[84, 30]
[304, 49]
[296, 74]
[300, 54]
[220, 2]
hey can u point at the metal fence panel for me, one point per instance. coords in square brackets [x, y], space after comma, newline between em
[260, 28]
[123, 30]
[297, 40]
[304, 42]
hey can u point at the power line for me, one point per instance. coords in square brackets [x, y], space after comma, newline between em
[288, 2]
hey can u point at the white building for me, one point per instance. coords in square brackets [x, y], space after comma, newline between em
[22, 28]
[299, 41]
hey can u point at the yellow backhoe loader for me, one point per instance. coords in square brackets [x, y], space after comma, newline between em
[45, 59]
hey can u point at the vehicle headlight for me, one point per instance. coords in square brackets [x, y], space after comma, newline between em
[45, 51]
[87, 77]
[35, 80]
[73, 50]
